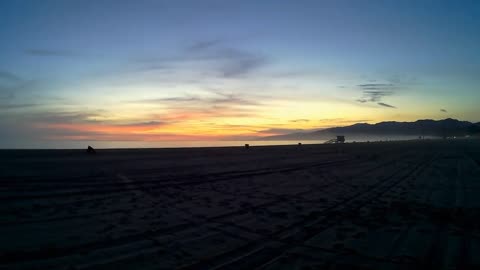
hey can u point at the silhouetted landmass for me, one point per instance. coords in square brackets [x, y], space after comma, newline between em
[474, 129]
[441, 128]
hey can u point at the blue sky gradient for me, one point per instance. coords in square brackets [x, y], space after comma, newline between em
[209, 70]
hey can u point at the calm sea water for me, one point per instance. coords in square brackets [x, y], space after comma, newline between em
[176, 144]
[147, 144]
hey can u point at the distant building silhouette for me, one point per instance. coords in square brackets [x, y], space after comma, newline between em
[339, 139]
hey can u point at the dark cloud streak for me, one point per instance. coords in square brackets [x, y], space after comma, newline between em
[375, 92]
[376, 85]
[374, 96]
[202, 45]
[47, 52]
[299, 120]
[386, 105]
[220, 99]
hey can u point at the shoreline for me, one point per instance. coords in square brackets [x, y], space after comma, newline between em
[251, 144]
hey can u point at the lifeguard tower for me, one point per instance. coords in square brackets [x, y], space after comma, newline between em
[339, 139]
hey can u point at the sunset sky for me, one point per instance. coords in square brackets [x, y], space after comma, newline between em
[224, 70]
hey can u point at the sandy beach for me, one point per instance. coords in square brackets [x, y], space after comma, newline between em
[385, 205]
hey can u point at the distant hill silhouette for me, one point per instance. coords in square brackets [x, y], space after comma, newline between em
[447, 127]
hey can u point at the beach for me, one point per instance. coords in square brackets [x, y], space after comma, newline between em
[379, 205]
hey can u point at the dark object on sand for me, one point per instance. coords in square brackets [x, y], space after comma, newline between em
[247, 146]
[90, 150]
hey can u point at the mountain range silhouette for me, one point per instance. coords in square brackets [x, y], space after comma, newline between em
[426, 127]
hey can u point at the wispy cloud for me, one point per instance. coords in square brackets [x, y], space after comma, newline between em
[386, 105]
[17, 106]
[299, 120]
[230, 61]
[374, 95]
[12, 84]
[6, 96]
[218, 98]
[144, 124]
[341, 121]
[279, 131]
[48, 52]
[235, 99]
[213, 56]
[239, 63]
[68, 116]
[169, 99]
[375, 92]
[403, 79]
[181, 113]
[202, 45]
[9, 77]
[376, 85]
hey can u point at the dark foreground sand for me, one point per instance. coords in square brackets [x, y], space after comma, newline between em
[396, 205]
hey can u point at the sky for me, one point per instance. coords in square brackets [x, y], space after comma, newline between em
[106, 71]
